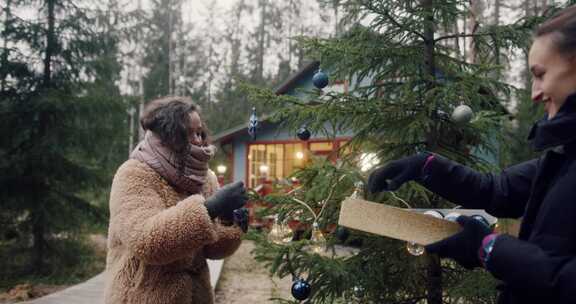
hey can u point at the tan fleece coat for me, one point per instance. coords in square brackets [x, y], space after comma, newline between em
[158, 240]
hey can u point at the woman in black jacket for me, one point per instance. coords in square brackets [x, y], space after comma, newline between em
[540, 265]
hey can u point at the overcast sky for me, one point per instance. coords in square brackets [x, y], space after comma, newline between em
[194, 8]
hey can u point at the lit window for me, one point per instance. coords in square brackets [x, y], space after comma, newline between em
[275, 162]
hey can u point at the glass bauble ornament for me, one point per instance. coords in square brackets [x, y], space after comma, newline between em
[301, 289]
[434, 213]
[320, 79]
[303, 133]
[452, 216]
[359, 292]
[342, 233]
[462, 114]
[481, 219]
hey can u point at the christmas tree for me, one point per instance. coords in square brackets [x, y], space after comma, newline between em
[413, 87]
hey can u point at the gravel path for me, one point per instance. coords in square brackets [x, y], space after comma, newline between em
[244, 280]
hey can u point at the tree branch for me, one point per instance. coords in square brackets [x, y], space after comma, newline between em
[394, 21]
[461, 35]
[397, 24]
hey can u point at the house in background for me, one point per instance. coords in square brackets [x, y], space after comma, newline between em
[276, 152]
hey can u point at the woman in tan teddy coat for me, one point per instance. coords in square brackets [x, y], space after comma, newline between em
[167, 214]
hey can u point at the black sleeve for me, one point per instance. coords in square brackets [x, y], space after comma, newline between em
[503, 195]
[523, 265]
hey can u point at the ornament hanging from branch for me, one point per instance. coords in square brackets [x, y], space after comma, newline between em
[301, 289]
[342, 233]
[462, 114]
[359, 292]
[253, 124]
[303, 133]
[320, 79]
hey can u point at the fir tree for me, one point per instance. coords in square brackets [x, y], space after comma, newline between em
[60, 113]
[407, 78]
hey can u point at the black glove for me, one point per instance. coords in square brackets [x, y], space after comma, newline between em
[463, 246]
[394, 174]
[241, 218]
[226, 200]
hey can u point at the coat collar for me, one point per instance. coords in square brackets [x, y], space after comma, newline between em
[560, 130]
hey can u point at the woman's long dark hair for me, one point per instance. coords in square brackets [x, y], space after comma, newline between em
[563, 25]
[169, 119]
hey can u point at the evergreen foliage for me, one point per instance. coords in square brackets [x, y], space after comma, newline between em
[62, 123]
[406, 78]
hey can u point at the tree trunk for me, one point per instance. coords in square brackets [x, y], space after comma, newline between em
[261, 38]
[433, 267]
[526, 75]
[140, 79]
[472, 26]
[38, 234]
[49, 45]
[5, 45]
[496, 42]
[38, 216]
[429, 38]
[434, 279]
[169, 37]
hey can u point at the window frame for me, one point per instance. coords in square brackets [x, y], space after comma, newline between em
[336, 143]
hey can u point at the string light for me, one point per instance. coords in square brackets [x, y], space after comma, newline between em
[318, 241]
[280, 233]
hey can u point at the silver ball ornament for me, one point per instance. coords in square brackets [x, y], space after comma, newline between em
[452, 216]
[462, 114]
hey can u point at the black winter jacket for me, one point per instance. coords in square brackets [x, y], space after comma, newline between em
[540, 265]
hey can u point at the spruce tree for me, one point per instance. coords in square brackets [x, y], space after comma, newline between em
[60, 117]
[407, 76]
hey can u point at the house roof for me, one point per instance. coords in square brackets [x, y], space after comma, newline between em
[289, 84]
[226, 135]
[284, 88]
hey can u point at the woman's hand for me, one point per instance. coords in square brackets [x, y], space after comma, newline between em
[395, 173]
[464, 246]
[227, 199]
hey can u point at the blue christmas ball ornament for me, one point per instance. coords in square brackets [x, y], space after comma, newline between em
[301, 289]
[303, 133]
[342, 233]
[320, 79]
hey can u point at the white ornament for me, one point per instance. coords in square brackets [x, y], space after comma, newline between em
[462, 114]
[452, 216]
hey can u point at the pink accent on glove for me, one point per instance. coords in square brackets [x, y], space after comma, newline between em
[482, 250]
[428, 160]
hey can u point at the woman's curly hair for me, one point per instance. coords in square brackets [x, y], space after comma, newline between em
[169, 119]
